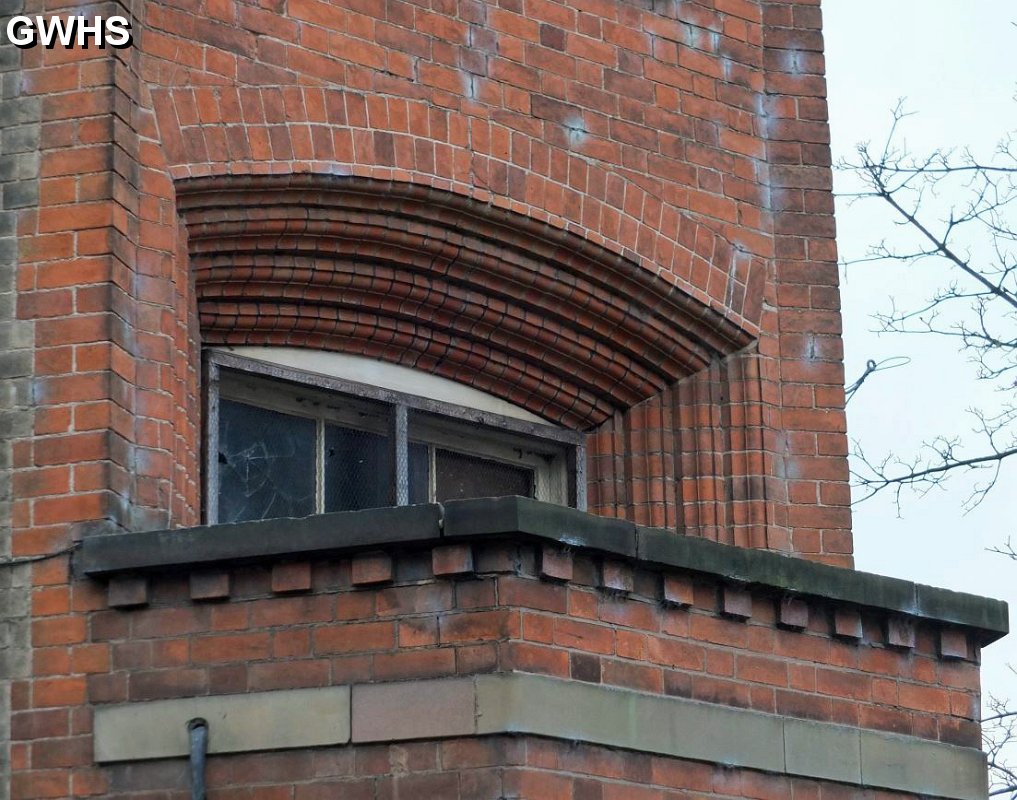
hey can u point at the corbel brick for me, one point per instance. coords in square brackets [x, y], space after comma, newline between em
[847, 623]
[900, 632]
[371, 568]
[678, 590]
[292, 576]
[497, 557]
[616, 576]
[556, 564]
[953, 644]
[793, 613]
[736, 602]
[210, 585]
[128, 591]
[451, 560]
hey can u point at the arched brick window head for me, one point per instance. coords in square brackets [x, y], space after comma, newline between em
[553, 323]
[444, 284]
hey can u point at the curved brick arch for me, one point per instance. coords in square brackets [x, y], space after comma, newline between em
[434, 280]
[581, 188]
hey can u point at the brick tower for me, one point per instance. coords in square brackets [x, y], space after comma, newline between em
[444, 399]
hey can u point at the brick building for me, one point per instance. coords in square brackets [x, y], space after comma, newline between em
[289, 284]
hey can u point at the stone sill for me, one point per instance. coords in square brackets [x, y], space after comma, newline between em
[458, 521]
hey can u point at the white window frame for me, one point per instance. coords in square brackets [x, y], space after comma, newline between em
[556, 455]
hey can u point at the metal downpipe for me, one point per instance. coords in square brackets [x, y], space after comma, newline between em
[197, 732]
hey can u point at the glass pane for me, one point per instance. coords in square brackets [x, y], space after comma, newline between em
[358, 469]
[266, 463]
[420, 474]
[459, 476]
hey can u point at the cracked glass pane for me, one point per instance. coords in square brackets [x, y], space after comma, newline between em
[266, 463]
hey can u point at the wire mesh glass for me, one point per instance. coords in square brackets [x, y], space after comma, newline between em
[419, 473]
[470, 459]
[359, 469]
[458, 476]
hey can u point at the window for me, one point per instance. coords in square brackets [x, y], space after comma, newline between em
[285, 442]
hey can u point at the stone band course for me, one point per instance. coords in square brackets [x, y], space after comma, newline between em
[547, 707]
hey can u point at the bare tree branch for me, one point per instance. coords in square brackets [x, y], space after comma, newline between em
[957, 217]
[973, 243]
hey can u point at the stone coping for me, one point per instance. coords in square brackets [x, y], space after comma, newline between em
[463, 520]
[526, 704]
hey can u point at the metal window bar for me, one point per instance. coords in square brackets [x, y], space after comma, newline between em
[576, 466]
[538, 430]
[211, 440]
[400, 453]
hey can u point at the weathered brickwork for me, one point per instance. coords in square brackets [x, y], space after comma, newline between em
[19, 190]
[614, 214]
[687, 140]
[607, 625]
[103, 275]
[527, 768]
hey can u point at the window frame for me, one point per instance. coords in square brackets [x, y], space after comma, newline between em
[571, 444]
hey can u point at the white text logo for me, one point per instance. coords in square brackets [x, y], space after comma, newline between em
[67, 32]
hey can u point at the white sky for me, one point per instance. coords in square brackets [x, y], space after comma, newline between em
[953, 63]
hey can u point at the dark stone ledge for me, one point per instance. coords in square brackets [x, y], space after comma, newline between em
[765, 568]
[506, 515]
[266, 540]
[333, 534]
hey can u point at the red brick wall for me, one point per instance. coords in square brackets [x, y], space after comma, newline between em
[103, 273]
[691, 141]
[701, 160]
[308, 625]
[526, 768]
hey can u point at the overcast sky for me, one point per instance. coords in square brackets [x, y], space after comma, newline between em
[954, 64]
